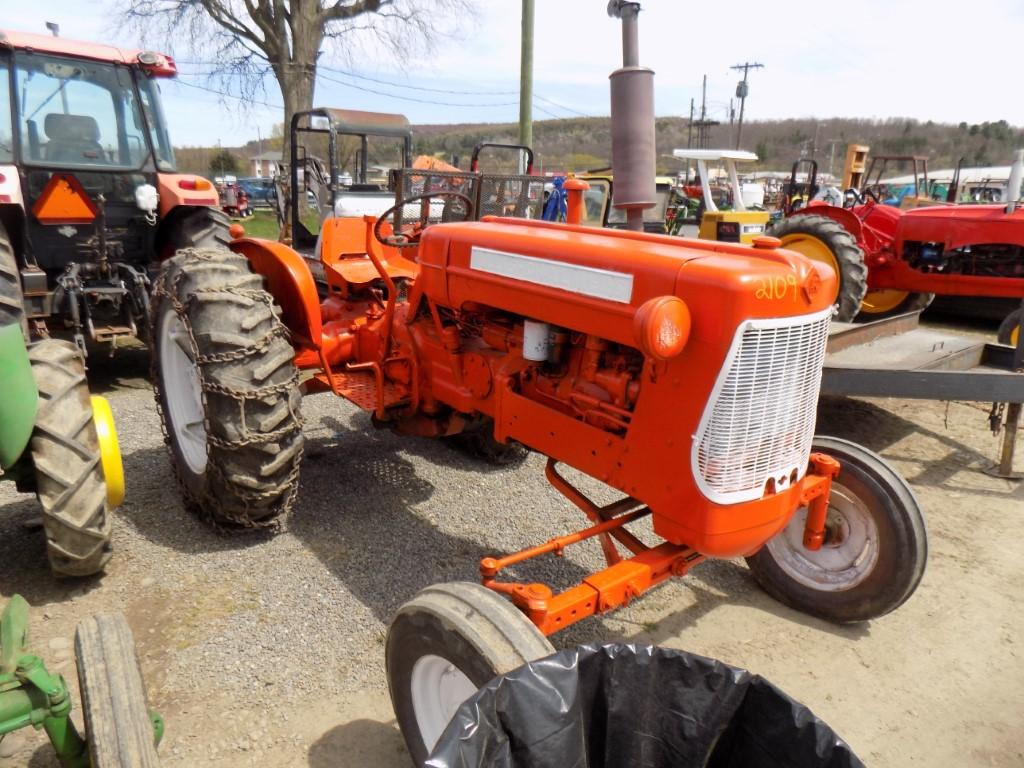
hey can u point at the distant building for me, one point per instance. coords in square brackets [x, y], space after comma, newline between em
[265, 164]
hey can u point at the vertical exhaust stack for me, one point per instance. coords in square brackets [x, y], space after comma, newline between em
[1014, 182]
[633, 145]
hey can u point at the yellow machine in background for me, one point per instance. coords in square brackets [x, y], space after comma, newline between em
[739, 225]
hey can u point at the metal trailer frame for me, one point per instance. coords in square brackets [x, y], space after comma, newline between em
[895, 357]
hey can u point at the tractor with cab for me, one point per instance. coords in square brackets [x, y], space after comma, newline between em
[90, 201]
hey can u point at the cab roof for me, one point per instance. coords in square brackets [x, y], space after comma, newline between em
[158, 64]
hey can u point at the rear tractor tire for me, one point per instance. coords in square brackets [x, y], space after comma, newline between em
[119, 727]
[445, 644]
[199, 228]
[65, 451]
[886, 303]
[11, 308]
[821, 239]
[875, 549]
[227, 389]
[1010, 328]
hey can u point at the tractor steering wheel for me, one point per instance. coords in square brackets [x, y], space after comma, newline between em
[409, 236]
[872, 192]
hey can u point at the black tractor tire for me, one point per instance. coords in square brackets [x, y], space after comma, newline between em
[477, 441]
[853, 272]
[199, 228]
[118, 725]
[468, 628]
[238, 365]
[871, 508]
[66, 454]
[12, 310]
[1012, 322]
[914, 302]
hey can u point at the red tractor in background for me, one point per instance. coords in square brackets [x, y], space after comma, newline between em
[892, 260]
[682, 374]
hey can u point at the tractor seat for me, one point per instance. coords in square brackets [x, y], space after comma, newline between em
[73, 139]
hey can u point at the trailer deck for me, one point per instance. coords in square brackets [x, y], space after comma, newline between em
[895, 357]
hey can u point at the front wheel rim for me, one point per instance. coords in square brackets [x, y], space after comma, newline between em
[437, 688]
[183, 394]
[847, 558]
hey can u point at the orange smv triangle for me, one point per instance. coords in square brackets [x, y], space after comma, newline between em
[64, 201]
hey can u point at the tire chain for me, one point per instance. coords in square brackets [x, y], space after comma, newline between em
[241, 520]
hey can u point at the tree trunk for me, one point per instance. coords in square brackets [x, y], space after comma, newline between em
[297, 83]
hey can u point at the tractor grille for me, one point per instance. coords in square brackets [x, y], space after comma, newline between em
[759, 422]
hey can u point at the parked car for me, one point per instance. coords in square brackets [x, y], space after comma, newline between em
[260, 190]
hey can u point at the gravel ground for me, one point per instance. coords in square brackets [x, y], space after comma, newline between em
[268, 649]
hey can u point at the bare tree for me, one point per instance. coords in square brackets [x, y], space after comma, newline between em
[248, 37]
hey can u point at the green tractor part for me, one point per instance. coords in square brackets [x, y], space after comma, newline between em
[20, 400]
[121, 732]
[60, 443]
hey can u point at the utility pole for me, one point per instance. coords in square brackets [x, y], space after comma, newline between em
[689, 139]
[732, 117]
[704, 125]
[526, 80]
[741, 92]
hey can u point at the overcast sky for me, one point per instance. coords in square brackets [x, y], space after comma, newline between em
[944, 60]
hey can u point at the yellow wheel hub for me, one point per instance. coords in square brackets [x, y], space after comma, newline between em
[1015, 336]
[877, 302]
[110, 451]
[814, 249]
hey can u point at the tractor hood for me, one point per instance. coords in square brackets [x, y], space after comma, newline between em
[600, 278]
[956, 226]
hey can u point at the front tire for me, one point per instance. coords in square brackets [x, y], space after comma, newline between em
[875, 548]
[118, 725]
[227, 389]
[442, 646]
[822, 239]
[66, 453]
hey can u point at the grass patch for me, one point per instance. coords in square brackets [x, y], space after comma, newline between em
[261, 224]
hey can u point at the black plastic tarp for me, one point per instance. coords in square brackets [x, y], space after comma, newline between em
[619, 706]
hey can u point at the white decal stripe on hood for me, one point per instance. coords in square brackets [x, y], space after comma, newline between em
[575, 278]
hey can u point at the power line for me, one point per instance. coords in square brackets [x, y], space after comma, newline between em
[562, 106]
[339, 82]
[416, 87]
[227, 95]
[412, 98]
[349, 73]
[539, 108]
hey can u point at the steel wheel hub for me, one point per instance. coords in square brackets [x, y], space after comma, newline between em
[438, 689]
[183, 393]
[847, 557]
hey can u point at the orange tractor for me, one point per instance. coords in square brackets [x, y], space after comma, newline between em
[682, 374]
[685, 375]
